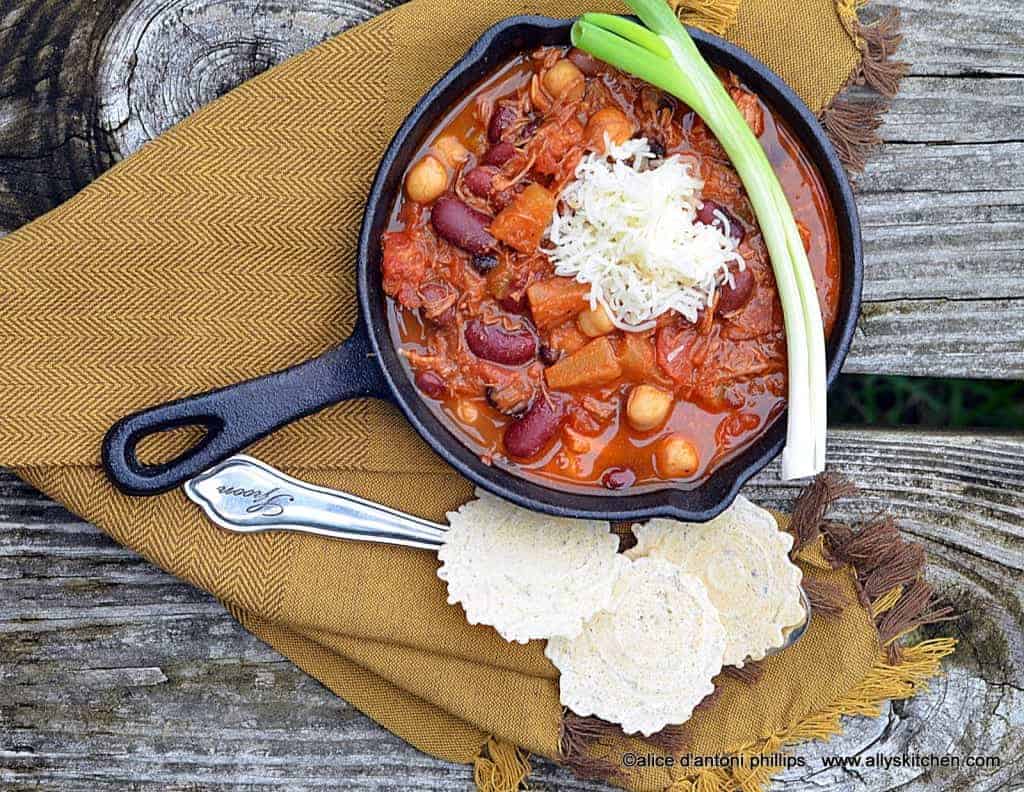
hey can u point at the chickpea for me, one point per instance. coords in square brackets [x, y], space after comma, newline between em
[564, 81]
[426, 181]
[647, 407]
[451, 151]
[595, 322]
[609, 121]
[676, 457]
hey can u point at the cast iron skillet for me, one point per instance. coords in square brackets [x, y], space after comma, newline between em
[367, 364]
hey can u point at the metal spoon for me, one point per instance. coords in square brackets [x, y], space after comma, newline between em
[245, 495]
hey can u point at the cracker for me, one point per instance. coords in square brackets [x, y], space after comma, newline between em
[526, 574]
[647, 660]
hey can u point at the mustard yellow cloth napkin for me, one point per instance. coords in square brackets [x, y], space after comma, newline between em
[225, 250]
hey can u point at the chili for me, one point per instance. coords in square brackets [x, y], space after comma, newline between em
[517, 361]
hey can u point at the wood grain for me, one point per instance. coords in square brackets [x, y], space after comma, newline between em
[112, 670]
[89, 82]
[976, 38]
[161, 61]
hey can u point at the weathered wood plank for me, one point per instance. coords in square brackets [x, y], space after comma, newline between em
[162, 61]
[954, 168]
[978, 38]
[69, 70]
[122, 71]
[943, 217]
[913, 239]
[110, 669]
[934, 109]
[899, 336]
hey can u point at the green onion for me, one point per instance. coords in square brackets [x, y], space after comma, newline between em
[664, 55]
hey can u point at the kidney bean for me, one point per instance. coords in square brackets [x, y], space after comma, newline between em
[461, 225]
[618, 478]
[527, 436]
[501, 119]
[707, 216]
[494, 343]
[479, 180]
[706, 213]
[732, 298]
[432, 384]
[484, 264]
[499, 154]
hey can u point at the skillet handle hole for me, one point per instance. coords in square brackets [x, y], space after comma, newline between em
[164, 447]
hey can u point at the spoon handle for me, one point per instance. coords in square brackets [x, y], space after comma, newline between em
[245, 495]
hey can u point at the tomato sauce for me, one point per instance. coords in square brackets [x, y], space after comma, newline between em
[485, 328]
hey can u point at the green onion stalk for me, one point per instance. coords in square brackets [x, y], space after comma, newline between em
[664, 55]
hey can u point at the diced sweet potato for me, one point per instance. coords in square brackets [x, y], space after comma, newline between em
[595, 364]
[522, 223]
[556, 300]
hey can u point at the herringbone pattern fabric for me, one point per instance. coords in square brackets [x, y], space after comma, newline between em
[224, 250]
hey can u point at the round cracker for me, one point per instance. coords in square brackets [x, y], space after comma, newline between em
[526, 574]
[647, 660]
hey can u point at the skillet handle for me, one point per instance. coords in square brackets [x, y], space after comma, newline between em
[238, 415]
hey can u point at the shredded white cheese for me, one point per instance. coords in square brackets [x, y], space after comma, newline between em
[630, 231]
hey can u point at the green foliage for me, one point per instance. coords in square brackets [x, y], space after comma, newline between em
[876, 400]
